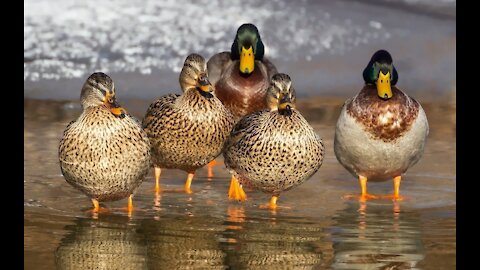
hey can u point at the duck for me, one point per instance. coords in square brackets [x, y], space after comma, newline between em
[187, 131]
[241, 77]
[104, 153]
[381, 132]
[275, 149]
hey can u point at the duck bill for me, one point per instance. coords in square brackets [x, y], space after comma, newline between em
[247, 60]
[285, 106]
[113, 106]
[384, 89]
[205, 85]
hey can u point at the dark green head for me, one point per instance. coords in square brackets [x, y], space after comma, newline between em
[381, 72]
[247, 47]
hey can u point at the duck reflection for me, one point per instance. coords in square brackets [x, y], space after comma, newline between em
[375, 237]
[108, 242]
[184, 242]
[273, 241]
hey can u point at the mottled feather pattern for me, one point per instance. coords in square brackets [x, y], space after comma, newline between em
[383, 119]
[104, 156]
[273, 152]
[187, 131]
[380, 139]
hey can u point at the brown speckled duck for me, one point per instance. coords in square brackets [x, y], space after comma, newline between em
[241, 77]
[104, 153]
[187, 131]
[275, 149]
[381, 132]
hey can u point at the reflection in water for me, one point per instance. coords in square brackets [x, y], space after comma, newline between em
[205, 230]
[183, 242]
[108, 242]
[376, 236]
[273, 242]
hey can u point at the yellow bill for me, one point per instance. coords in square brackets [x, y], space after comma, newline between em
[247, 60]
[113, 106]
[384, 90]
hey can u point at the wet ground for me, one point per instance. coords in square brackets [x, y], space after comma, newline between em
[205, 230]
[323, 46]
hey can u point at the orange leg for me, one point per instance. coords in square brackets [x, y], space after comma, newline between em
[396, 190]
[236, 191]
[188, 183]
[130, 203]
[96, 207]
[273, 204]
[157, 179]
[364, 196]
[210, 168]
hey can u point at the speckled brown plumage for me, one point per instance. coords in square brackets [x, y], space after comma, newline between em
[383, 119]
[187, 131]
[275, 149]
[273, 152]
[103, 155]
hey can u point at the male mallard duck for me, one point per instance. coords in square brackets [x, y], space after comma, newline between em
[187, 131]
[381, 132]
[274, 149]
[104, 153]
[241, 77]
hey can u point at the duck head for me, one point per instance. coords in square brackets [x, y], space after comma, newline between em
[99, 90]
[247, 47]
[194, 74]
[381, 72]
[281, 94]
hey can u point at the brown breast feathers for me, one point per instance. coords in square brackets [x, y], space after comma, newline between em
[384, 119]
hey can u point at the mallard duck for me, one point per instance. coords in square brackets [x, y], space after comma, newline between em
[275, 149]
[381, 132]
[187, 131]
[104, 153]
[241, 77]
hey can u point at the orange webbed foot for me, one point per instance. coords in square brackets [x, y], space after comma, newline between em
[236, 191]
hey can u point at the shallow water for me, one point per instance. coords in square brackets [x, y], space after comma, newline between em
[204, 230]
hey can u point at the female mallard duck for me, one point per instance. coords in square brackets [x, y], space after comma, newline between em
[241, 77]
[187, 131]
[104, 153]
[381, 132]
[274, 149]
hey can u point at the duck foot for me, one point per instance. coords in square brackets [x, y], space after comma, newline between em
[272, 205]
[236, 191]
[361, 197]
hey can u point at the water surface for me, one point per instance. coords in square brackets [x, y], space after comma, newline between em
[204, 230]
[323, 46]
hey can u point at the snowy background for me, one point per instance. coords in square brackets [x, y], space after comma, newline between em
[323, 45]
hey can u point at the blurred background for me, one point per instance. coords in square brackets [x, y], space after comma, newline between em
[322, 45]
